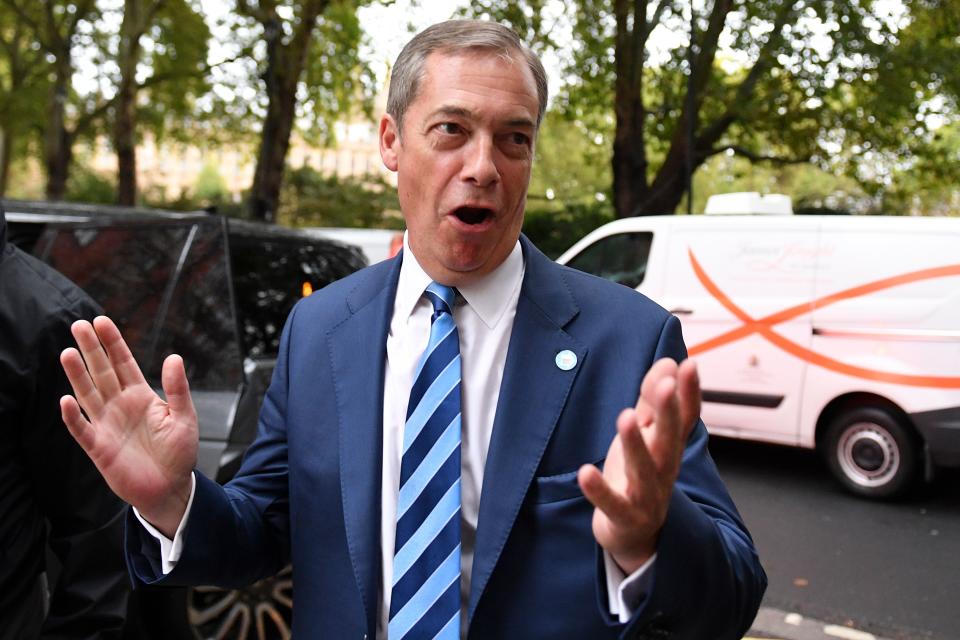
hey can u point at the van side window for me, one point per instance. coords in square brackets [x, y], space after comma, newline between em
[621, 257]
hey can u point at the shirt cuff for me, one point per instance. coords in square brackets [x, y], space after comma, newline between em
[626, 593]
[170, 550]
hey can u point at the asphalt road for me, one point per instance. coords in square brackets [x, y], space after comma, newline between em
[889, 568]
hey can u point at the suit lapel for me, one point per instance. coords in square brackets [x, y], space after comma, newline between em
[358, 352]
[533, 393]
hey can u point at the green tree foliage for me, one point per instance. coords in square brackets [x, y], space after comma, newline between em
[86, 185]
[930, 183]
[812, 189]
[53, 28]
[554, 229]
[169, 38]
[569, 193]
[570, 166]
[211, 188]
[311, 199]
[847, 85]
[159, 51]
[23, 85]
[307, 54]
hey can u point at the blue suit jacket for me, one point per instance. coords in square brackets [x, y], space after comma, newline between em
[308, 491]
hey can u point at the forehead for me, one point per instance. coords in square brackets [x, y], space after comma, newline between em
[478, 82]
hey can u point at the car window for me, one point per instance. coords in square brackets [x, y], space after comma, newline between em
[270, 274]
[199, 319]
[165, 285]
[621, 257]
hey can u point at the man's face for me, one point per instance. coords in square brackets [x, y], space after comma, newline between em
[463, 162]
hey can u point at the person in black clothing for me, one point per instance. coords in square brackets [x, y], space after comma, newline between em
[50, 492]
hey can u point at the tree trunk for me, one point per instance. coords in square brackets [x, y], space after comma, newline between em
[123, 140]
[666, 192]
[629, 153]
[58, 147]
[274, 144]
[633, 195]
[285, 64]
[125, 114]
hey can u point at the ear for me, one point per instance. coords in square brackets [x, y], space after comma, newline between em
[389, 142]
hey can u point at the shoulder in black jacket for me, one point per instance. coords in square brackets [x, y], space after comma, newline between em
[50, 492]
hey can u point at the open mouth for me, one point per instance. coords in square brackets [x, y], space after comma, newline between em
[473, 215]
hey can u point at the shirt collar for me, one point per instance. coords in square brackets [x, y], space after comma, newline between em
[489, 297]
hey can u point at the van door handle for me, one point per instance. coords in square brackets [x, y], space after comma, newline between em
[681, 311]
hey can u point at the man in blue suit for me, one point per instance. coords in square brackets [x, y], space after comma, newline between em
[470, 387]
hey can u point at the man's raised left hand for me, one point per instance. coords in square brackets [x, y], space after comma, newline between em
[632, 494]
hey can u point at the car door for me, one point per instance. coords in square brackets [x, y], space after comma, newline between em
[741, 287]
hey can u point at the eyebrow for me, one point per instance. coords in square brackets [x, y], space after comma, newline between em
[462, 112]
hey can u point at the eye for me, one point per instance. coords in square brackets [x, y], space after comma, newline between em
[520, 139]
[449, 128]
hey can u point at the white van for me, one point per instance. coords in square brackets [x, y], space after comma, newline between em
[835, 332]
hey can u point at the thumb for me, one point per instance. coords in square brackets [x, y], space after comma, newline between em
[175, 385]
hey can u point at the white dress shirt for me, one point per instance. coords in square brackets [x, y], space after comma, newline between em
[484, 315]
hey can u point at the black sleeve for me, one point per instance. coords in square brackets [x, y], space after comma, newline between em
[89, 589]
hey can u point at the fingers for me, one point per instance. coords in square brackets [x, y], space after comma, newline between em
[98, 364]
[599, 492]
[637, 461]
[79, 379]
[669, 403]
[662, 368]
[126, 368]
[175, 385]
[688, 390]
[77, 425]
[665, 438]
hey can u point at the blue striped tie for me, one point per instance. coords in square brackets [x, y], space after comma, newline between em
[425, 599]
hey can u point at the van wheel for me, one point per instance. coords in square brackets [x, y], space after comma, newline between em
[262, 611]
[872, 453]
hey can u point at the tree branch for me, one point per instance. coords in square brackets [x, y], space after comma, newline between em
[757, 157]
[700, 73]
[83, 8]
[742, 96]
[84, 121]
[657, 16]
[159, 78]
[52, 28]
[247, 8]
[140, 29]
[12, 46]
[638, 36]
[33, 24]
[765, 56]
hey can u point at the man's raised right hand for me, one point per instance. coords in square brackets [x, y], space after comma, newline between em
[144, 447]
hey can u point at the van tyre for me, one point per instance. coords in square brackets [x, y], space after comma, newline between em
[872, 452]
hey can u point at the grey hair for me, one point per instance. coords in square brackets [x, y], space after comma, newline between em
[452, 37]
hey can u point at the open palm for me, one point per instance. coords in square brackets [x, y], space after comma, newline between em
[144, 447]
[632, 493]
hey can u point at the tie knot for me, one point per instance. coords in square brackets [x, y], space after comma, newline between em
[441, 297]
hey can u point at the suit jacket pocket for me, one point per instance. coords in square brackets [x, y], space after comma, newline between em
[558, 487]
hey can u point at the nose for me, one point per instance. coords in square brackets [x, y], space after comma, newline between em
[479, 164]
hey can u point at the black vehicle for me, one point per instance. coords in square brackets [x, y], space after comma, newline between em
[217, 291]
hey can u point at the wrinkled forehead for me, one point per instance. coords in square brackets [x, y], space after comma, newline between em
[432, 76]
